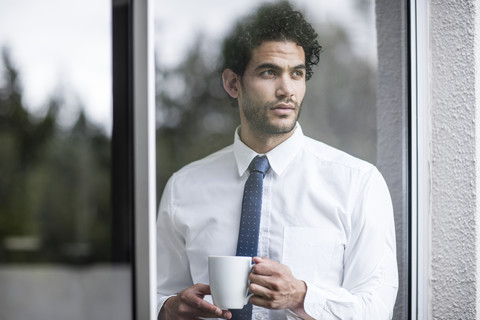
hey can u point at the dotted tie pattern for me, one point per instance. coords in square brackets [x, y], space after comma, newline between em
[250, 220]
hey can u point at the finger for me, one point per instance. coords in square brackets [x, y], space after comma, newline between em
[265, 266]
[265, 302]
[259, 259]
[259, 301]
[264, 259]
[223, 314]
[200, 312]
[203, 308]
[194, 303]
[226, 314]
[261, 280]
[264, 269]
[202, 288]
[260, 291]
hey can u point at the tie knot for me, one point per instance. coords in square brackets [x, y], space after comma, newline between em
[259, 164]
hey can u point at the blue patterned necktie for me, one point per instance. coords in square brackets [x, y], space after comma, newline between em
[250, 220]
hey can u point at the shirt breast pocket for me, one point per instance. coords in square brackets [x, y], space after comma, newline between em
[314, 253]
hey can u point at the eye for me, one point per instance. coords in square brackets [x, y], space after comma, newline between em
[298, 74]
[268, 74]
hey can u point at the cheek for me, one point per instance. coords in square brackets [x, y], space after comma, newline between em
[261, 93]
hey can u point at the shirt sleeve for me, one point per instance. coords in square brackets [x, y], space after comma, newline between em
[173, 274]
[370, 282]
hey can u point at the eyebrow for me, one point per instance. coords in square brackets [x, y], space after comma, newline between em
[276, 67]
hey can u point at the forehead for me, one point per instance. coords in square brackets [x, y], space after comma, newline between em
[277, 52]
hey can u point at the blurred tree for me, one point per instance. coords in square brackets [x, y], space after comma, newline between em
[54, 182]
[194, 115]
[22, 140]
[340, 105]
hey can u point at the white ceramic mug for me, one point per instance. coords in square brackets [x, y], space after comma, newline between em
[229, 280]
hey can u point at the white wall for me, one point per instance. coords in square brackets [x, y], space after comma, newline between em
[454, 100]
[451, 238]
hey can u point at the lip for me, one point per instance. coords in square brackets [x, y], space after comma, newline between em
[283, 109]
[283, 106]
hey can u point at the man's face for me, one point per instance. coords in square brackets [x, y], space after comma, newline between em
[272, 88]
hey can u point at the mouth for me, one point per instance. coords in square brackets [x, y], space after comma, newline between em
[283, 108]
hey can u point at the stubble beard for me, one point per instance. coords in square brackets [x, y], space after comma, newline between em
[257, 118]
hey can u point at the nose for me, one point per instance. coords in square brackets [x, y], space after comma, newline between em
[285, 87]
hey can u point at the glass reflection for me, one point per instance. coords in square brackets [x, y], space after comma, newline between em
[55, 162]
[194, 115]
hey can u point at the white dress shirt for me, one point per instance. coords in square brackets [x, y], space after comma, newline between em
[326, 215]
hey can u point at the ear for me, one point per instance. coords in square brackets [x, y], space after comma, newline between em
[231, 82]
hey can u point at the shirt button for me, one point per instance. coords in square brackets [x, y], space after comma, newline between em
[258, 316]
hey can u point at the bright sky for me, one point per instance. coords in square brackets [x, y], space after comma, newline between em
[61, 44]
[67, 44]
[175, 21]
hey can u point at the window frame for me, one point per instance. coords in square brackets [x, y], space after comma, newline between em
[134, 151]
[420, 150]
[144, 159]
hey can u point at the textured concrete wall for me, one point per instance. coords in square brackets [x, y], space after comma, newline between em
[454, 238]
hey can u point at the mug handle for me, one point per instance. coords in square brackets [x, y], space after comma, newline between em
[248, 296]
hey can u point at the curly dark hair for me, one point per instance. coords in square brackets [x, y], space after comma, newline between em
[271, 22]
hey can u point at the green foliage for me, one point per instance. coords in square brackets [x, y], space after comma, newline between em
[55, 202]
[340, 105]
[195, 117]
[54, 183]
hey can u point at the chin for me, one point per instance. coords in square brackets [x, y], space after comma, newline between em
[282, 128]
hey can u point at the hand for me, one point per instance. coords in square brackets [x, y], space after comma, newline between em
[189, 304]
[275, 287]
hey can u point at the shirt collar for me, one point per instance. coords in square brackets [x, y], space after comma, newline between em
[279, 157]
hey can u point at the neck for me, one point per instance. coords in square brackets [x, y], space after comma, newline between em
[261, 142]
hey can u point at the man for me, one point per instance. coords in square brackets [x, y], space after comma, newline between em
[326, 242]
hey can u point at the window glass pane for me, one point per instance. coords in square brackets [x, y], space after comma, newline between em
[57, 256]
[194, 115]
